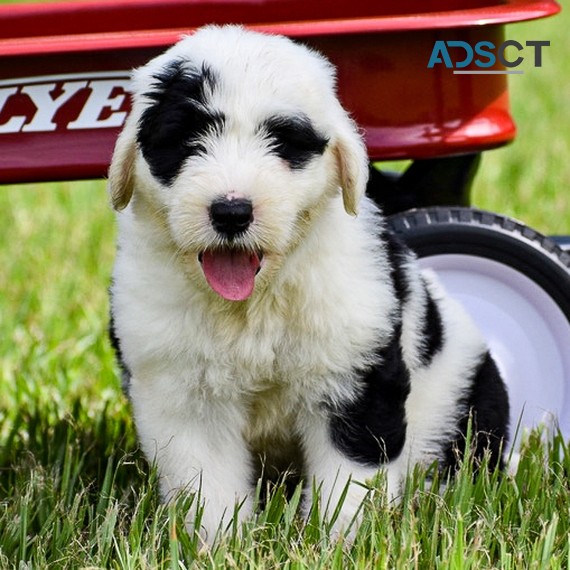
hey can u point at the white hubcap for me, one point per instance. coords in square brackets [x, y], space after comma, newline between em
[528, 334]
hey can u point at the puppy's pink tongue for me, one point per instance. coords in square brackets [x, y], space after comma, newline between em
[230, 273]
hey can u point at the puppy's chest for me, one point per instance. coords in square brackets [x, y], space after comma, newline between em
[274, 366]
[271, 416]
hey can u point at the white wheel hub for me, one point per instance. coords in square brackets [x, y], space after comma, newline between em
[528, 334]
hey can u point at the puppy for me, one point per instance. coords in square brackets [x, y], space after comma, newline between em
[262, 312]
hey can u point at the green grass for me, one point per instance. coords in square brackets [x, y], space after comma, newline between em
[74, 490]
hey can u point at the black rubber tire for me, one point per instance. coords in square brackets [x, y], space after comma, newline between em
[469, 231]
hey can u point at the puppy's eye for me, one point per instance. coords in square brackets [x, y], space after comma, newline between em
[173, 126]
[294, 139]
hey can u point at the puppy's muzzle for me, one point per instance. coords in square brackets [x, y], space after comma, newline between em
[231, 218]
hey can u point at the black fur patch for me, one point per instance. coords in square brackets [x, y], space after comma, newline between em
[487, 406]
[171, 128]
[116, 345]
[372, 429]
[399, 256]
[432, 333]
[294, 139]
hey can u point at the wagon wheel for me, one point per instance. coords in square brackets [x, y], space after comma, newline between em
[515, 283]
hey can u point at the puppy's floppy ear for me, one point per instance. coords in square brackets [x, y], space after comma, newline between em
[121, 171]
[352, 166]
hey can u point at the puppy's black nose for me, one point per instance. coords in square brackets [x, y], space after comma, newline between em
[231, 217]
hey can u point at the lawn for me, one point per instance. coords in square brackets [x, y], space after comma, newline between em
[76, 493]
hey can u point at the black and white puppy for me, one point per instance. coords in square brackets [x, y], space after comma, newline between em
[260, 307]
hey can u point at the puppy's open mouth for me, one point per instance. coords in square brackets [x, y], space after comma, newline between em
[231, 272]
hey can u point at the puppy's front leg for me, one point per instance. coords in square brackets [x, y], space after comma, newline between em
[341, 482]
[198, 447]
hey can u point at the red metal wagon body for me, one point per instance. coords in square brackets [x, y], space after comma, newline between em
[64, 71]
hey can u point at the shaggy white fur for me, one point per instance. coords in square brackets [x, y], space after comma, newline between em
[259, 307]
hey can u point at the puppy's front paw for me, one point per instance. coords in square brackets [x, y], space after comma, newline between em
[210, 518]
[340, 508]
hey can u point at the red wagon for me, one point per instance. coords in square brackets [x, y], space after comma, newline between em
[64, 81]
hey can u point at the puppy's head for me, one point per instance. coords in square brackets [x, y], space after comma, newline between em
[236, 140]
